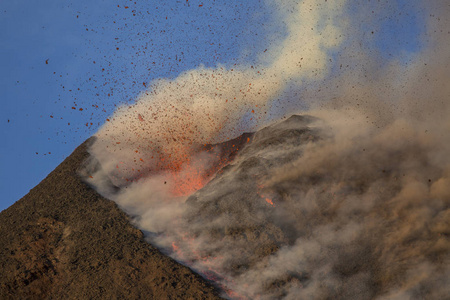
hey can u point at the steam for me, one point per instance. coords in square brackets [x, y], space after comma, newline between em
[350, 201]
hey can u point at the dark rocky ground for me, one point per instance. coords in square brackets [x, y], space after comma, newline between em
[64, 241]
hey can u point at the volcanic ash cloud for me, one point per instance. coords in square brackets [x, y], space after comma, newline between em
[210, 105]
[350, 201]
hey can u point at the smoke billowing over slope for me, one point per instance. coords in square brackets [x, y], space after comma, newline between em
[208, 105]
[351, 201]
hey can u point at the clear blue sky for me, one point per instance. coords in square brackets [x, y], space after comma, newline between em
[65, 65]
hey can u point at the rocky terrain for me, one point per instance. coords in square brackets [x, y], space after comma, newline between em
[64, 241]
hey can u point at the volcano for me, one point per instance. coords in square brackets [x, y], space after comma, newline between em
[301, 209]
[310, 207]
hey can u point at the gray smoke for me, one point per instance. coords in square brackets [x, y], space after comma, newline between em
[350, 200]
[352, 215]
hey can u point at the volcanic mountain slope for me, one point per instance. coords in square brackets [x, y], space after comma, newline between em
[64, 241]
[303, 214]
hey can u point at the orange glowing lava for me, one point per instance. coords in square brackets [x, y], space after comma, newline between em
[261, 193]
[269, 201]
[188, 179]
[186, 169]
[190, 172]
[234, 295]
[175, 247]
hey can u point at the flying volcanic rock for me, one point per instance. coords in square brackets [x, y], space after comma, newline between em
[64, 241]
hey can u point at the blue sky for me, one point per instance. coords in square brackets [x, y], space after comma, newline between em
[65, 66]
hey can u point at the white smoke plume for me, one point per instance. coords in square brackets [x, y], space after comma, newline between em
[351, 202]
[207, 105]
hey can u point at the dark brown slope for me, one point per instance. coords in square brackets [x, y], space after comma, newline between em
[63, 240]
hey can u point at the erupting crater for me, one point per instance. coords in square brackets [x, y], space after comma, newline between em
[191, 172]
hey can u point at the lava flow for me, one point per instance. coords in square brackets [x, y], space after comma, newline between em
[191, 173]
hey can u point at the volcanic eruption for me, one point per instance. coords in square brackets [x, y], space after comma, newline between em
[349, 199]
[343, 192]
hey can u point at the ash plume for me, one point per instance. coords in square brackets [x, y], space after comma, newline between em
[349, 200]
[205, 105]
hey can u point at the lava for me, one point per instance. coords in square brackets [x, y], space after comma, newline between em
[192, 171]
[259, 191]
[175, 247]
[270, 201]
[189, 179]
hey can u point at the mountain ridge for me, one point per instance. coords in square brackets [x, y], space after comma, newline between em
[63, 240]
